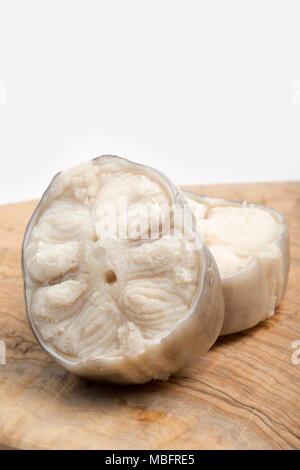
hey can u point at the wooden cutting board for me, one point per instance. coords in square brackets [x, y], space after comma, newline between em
[243, 394]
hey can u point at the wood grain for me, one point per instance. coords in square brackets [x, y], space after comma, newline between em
[243, 394]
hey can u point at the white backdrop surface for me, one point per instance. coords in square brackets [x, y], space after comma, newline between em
[206, 91]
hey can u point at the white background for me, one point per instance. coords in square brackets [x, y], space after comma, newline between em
[207, 91]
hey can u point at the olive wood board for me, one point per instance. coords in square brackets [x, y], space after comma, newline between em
[242, 394]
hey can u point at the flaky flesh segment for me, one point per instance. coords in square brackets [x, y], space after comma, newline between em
[250, 244]
[104, 306]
